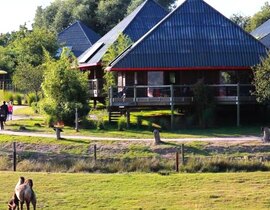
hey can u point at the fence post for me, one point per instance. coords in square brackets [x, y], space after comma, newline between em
[14, 156]
[95, 152]
[76, 120]
[177, 161]
[183, 154]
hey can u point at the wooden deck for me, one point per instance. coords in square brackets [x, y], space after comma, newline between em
[177, 95]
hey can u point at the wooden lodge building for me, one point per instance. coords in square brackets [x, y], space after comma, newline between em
[135, 25]
[192, 42]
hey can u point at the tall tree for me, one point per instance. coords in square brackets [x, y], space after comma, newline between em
[65, 88]
[29, 49]
[167, 4]
[113, 51]
[259, 18]
[240, 20]
[100, 15]
[261, 80]
[28, 78]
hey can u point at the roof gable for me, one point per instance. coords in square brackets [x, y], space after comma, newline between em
[193, 35]
[262, 33]
[135, 25]
[79, 37]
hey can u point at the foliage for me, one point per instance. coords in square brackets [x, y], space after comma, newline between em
[65, 88]
[29, 49]
[25, 46]
[18, 99]
[259, 17]
[100, 15]
[122, 123]
[261, 80]
[168, 4]
[240, 20]
[122, 42]
[203, 103]
[32, 97]
[28, 78]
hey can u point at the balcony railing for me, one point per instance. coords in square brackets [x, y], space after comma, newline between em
[166, 95]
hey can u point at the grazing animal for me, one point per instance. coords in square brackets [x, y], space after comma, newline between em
[25, 193]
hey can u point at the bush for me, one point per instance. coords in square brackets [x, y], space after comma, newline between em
[8, 96]
[139, 121]
[214, 165]
[5, 163]
[18, 99]
[122, 123]
[31, 97]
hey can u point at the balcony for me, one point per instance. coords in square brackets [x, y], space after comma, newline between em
[168, 95]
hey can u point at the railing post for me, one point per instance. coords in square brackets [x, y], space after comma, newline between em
[172, 106]
[238, 105]
[134, 93]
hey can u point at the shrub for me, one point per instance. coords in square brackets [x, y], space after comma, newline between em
[18, 99]
[31, 97]
[139, 121]
[122, 123]
[8, 96]
[5, 163]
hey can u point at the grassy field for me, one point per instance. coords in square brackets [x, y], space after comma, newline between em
[144, 191]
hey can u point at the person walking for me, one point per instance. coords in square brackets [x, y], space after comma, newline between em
[5, 108]
[2, 118]
[10, 110]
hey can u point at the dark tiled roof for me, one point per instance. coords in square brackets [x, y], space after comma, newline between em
[135, 25]
[78, 37]
[193, 36]
[262, 33]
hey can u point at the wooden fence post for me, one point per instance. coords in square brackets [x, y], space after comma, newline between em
[95, 152]
[183, 154]
[14, 156]
[177, 161]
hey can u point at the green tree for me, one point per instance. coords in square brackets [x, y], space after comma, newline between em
[29, 49]
[122, 42]
[167, 4]
[259, 18]
[261, 80]
[240, 20]
[28, 78]
[101, 15]
[203, 104]
[64, 88]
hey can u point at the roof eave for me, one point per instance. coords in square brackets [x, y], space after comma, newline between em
[200, 68]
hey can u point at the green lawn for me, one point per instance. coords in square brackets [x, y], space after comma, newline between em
[144, 191]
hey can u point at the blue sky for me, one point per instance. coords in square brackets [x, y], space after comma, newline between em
[17, 12]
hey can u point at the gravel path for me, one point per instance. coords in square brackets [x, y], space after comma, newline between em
[213, 139]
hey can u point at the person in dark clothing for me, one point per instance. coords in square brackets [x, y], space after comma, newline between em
[5, 108]
[2, 118]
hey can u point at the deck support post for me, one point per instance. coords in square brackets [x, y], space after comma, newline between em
[238, 105]
[172, 107]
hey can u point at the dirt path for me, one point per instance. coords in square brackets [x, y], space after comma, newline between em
[217, 139]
